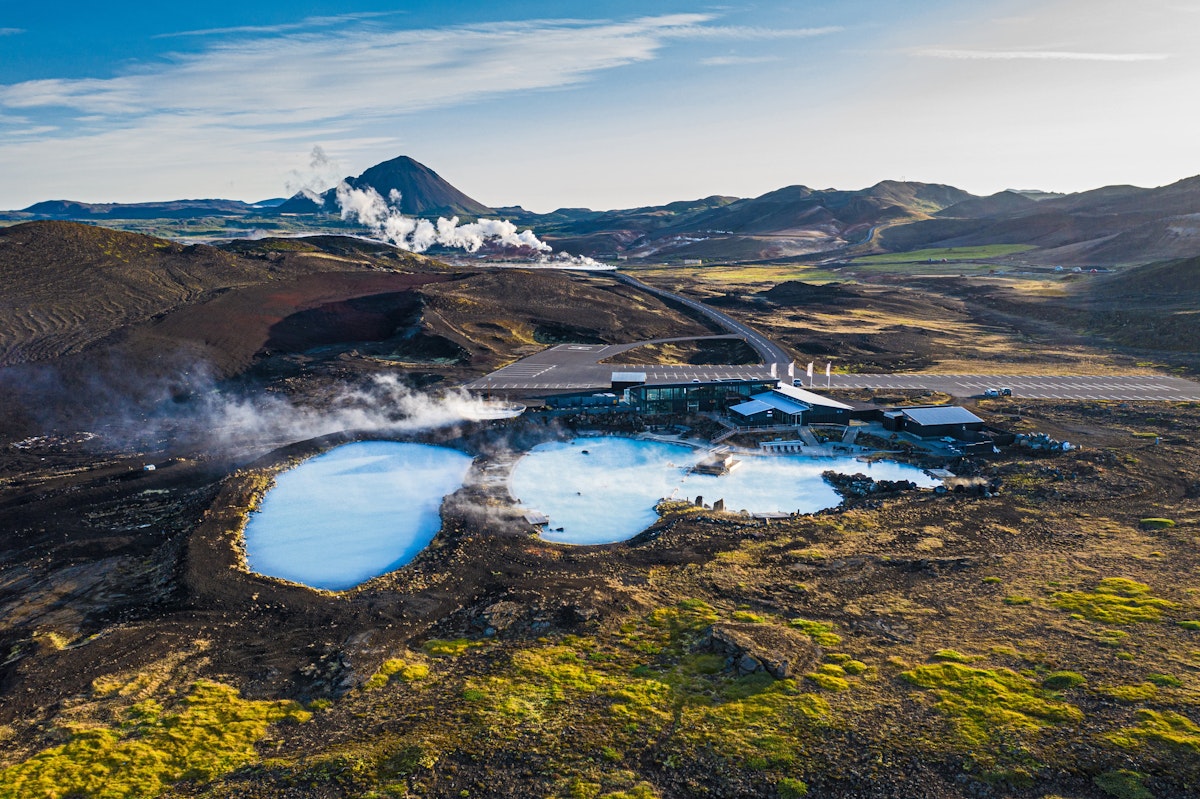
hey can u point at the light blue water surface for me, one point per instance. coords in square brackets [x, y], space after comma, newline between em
[353, 513]
[609, 494]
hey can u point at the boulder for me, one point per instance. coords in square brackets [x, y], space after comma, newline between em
[752, 648]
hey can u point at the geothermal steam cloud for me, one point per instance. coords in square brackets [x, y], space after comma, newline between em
[418, 235]
[367, 207]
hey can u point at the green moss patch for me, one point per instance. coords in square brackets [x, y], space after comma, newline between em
[1123, 784]
[396, 670]
[656, 680]
[1116, 600]
[820, 632]
[212, 733]
[985, 702]
[1131, 693]
[1165, 728]
[1155, 523]
[442, 648]
[1062, 680]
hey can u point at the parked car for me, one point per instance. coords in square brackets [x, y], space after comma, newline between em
[991, 392]
[1006, 392]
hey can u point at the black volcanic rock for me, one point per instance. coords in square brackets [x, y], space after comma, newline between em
[423, 192]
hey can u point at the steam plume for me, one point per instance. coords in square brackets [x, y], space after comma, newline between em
[385, 404]
[322, 171]
[367, 207]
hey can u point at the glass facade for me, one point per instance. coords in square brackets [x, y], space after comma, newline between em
[684, 398]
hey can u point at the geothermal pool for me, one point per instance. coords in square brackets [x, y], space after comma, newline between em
[609, 494]
[355, 512]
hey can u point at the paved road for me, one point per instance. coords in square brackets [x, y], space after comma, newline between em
[768, 350]
[576, 367]
[1116, 387]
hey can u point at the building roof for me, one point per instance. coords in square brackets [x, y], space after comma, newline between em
[750, 408]
[944, 414]
[629, 377]
[811, 398]
[782, 402]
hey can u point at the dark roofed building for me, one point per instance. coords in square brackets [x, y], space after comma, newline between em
[934, 421]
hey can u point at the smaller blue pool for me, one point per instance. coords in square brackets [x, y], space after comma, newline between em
[603, 490]
[353, 513]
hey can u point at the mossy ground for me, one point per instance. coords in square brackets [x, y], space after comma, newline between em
[909, 672]
[211, 732]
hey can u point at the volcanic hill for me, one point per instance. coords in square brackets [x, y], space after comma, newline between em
[423, 192]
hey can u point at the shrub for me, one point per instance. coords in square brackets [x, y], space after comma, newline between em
[1155, 523]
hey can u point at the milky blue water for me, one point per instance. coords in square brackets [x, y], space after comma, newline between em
[353, 513]
[609, 494]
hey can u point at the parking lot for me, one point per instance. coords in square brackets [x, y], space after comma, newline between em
[1116, 387]
[577, 367]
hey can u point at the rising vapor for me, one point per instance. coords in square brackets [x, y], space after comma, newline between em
[322, 171]
[367, 207]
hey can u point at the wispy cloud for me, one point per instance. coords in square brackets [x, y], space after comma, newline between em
[334, 74]
[267, 93]
[11, 31]
[308, 23]
[1036, 55]
[737, 60]
[747, 32]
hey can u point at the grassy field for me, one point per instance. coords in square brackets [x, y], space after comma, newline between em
[740, 276]
[952, 254]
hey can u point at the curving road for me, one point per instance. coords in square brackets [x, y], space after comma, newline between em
[581, 366]
[769, 351]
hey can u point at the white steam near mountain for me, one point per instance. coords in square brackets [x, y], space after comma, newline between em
[367, 207]
[384, 218]
[322, 170]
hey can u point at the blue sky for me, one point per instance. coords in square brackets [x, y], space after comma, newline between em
[604, 104]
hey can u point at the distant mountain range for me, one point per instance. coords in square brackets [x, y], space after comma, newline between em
[1114, 225]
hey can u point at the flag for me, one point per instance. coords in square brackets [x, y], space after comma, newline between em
[827, 367]
[810, 366]
[791, 369]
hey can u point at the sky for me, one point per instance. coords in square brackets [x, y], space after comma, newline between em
[605, 104]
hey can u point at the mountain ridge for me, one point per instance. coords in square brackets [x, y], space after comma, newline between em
[1109, 225]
